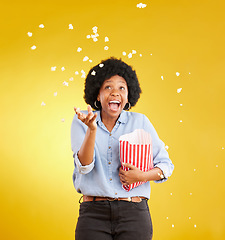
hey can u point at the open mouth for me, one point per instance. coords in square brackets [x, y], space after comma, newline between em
[114, 105]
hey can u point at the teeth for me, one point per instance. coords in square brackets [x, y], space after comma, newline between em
[115, 102]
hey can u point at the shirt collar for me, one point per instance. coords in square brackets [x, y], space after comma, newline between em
[122, 118]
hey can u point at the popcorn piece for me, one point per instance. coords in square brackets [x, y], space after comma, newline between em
[43, 104]
[172, 225]
[141, 5]
[65, 83]
[195, 225]
[151, 54]
[130, 55]
[101, 65]
[140, 55]
[177, 73]
[55, 94]
[171, 194]
[76, 73]
[179, 90]
[63, 68]
[41, 26]
[90, 60]
[83, 74]
[124, 53]
[166, 147]
[85, 58]
[53, 68]
[222, 147]
[95, 29]
[88, 36]
[95, 39]
[181, 121]
[79, 49]
[181, 104]
[62, 120]
[70, 26]
[106, 39]
[134, 51]
[162, 77]
[29, 34]
[106, 48]
[71, 79]
[189, 218]
[93, 73]
[190, 193]
[33, 47]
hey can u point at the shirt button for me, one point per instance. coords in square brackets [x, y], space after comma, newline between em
[116, 193]
[110, 134]
[109, 163]
[109, 147]
[110, 179]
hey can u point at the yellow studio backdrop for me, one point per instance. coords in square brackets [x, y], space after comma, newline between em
[47, 47]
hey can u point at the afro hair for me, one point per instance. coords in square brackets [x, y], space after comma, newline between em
[105, 70]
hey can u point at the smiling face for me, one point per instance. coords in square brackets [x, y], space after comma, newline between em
[113, 96]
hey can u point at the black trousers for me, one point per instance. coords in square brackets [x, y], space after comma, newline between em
[114, 220]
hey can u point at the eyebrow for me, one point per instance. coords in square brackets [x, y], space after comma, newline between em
[108, 81]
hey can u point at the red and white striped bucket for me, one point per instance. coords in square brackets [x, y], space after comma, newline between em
[136, 149]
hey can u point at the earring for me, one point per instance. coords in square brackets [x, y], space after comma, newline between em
[95, 103]
[129, 106]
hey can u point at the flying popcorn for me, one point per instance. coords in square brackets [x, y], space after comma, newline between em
[65, 83]
[88, 36]
[33, 47]
[41, 26]
[181, 104]
[43, 104]
[93, 73]
[181, 121]
[106, 48]
[71, 79]
[177, 73]
[166, 147]
[85, 58]
[76, 73]
[53, 68]
[141, 5]
[124, 53]
[79, 49]
[29, 34]
[130, 55]
[63, 69]
[55, 94]
[90, 60]
[95, 29]
[140, 55]
[70, 26]
[162, 77]
[134, 51]
[179, 90]
[101, 65]
[106, 39]
[62, 120]
[95, 39]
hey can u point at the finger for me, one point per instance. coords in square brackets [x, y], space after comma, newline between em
[128, 165]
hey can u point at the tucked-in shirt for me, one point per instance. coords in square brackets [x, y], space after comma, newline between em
[101, 177]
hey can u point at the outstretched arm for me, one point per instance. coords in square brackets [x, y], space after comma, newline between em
[86, 151]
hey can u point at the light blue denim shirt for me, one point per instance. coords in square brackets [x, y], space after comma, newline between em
[101, 177]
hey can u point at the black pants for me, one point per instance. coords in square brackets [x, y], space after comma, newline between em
[116, 220]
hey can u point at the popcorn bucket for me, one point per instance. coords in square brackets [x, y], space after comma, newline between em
[136, 149]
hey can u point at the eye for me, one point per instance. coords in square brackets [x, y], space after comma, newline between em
[107, 87]
[122, 88]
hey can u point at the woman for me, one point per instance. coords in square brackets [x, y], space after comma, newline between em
[107, 210]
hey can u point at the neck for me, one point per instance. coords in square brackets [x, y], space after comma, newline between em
[108, 122]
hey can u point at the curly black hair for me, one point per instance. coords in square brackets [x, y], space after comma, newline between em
[105, 70]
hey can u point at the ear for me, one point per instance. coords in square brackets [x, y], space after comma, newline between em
[98, 98]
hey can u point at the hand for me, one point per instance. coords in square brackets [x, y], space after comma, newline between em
[88, 119]
[133, 175]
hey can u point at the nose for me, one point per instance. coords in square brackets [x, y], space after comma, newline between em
[115, 93]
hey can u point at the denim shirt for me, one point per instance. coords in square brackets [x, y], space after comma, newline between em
[101, 177]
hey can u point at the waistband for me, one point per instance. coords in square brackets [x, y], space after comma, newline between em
[129, 199]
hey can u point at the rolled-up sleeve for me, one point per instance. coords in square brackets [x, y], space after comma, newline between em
[82, 169]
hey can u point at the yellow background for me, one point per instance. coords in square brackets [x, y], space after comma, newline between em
[38, 200]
